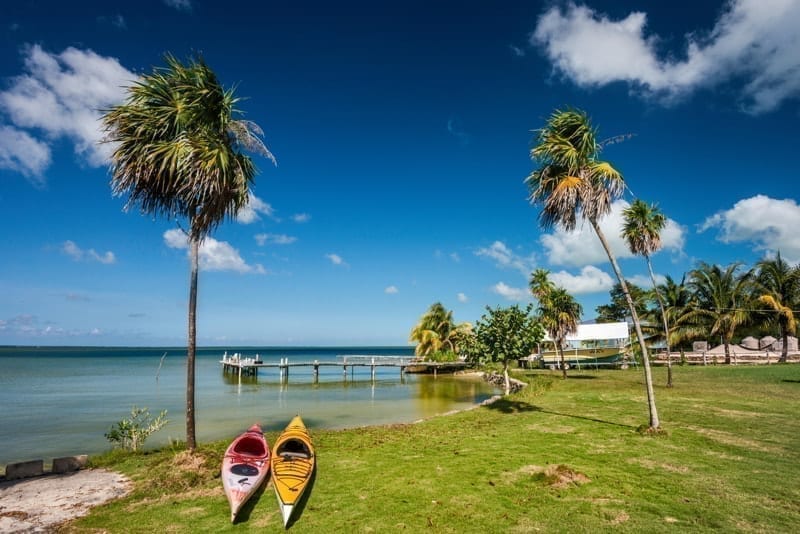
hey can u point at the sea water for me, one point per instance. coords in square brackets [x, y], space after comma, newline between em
[60, 401]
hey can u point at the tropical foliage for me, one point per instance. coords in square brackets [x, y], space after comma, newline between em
[436, 334]
[179, 153]
[131, 432]
[777, 287]
[642, 227]
[559, 312]
[572, 184]
[507, 334]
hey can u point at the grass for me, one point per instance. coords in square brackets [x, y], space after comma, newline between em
[563, 455]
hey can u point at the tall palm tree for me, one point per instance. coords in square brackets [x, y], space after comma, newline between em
[641, 229]
[179, 153]
[560, 314]
[778, 288]
[723, 299]
[573, 184]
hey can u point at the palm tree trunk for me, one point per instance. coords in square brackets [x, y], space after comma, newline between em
[663, 317]
[648, 376]
[563, 363]
[191, 441]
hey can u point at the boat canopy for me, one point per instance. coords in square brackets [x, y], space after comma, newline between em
[598, 331]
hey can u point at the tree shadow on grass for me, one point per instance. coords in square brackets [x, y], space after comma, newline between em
[512, 406]
[791, 381]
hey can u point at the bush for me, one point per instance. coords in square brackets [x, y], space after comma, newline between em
[131, 433]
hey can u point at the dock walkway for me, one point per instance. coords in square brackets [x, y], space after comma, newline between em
[249, 366]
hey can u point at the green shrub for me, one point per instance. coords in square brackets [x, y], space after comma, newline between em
[131, 433]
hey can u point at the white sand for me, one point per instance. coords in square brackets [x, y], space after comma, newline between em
[39, 504]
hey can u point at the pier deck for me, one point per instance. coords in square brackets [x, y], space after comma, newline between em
[249, 366]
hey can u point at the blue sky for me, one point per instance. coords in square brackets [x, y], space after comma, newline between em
[402, 132]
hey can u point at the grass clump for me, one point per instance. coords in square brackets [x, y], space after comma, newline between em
[559, 456]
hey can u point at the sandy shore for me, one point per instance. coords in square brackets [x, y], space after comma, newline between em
[39, 504]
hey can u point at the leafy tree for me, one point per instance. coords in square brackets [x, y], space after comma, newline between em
[617, 310]
[778, 288]
[179, 153]
[508, 334]
[723, 299]
[131, 433]
[572, 183]
[436, 331]
[642, 227]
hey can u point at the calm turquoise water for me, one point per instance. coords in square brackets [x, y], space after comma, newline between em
[60, 401]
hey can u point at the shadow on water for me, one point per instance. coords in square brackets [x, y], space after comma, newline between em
[301, 504]
[511, 406]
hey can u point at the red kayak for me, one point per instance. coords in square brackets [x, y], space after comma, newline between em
[245, 467]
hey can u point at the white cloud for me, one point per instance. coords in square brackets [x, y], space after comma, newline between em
[301, 217]
[249, 213]
[274, 239]
[335, 259]
[71, 249]
[754, 42]
[214, 255]
[180, 5]
[581, 246]
[24, 154]
[462, 297]
[60, 96]
[455, 257]
[590, 280]
[768, 224]
[454, 128]
[511, 293]
[391, 290]
[506, 258]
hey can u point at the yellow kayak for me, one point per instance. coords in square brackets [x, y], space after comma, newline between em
[292, 465]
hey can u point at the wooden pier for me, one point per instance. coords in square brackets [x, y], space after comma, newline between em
[249, 366]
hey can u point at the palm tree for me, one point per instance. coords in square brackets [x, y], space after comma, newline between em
[678, 301]
[559, 313]
[722, 297]
[641, 229]
[571, 183]
[778, 288]
[437, 331]
[179, 154]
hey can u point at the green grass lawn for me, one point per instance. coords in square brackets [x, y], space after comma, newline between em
[563, 455]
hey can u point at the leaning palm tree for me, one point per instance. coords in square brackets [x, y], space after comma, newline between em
[641, 229]
[722, 300]
[179, 153]
[560, 313]
[572, 184]
[778, 288]
[436, 331]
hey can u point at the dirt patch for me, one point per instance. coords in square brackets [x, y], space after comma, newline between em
[40, 504]
[726, 438]
[558, 476]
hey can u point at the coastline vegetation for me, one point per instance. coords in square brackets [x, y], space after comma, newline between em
[560, 455]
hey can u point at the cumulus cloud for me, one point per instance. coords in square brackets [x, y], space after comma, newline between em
[644, 281]
[511, 293]
[504, 257]
[71, 249]
[753, 44]
[589, 280]
[21, 152]
[274, 239]
[581, 247]
[249, 213]
[335, 259]
[766, 223]
[301, 217]
[462, 297]
[59, 96]
[391, 290]
[214, 255]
